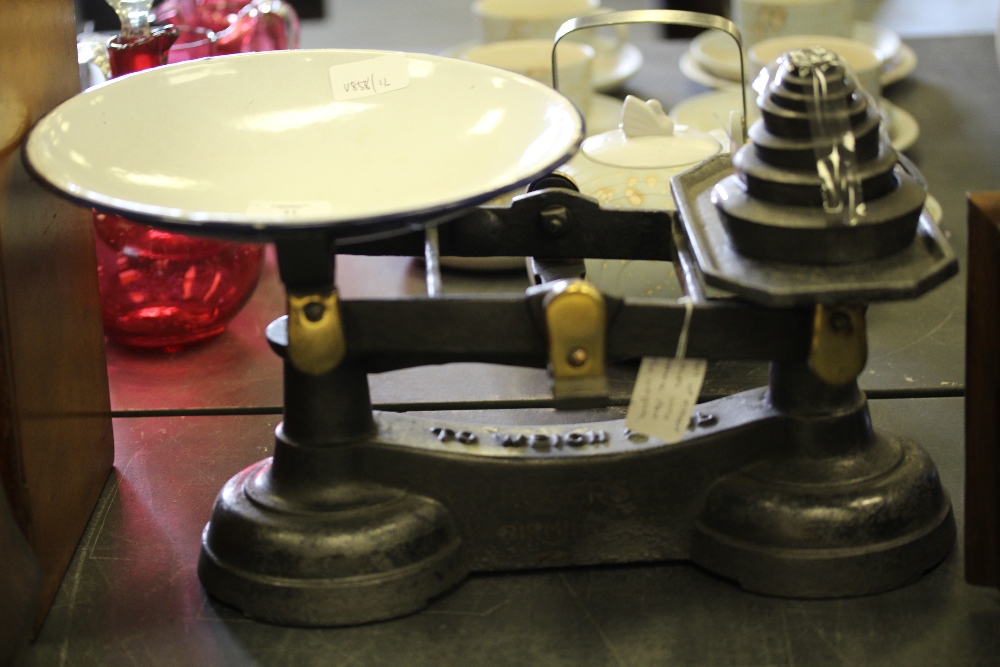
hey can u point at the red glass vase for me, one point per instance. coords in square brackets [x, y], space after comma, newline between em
[158, 289]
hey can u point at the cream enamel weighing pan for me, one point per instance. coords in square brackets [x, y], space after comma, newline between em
[256, 145]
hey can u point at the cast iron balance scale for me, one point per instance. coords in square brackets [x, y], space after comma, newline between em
[361, 515]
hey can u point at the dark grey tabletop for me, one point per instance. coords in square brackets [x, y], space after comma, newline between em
[132, 596]
[916, 348]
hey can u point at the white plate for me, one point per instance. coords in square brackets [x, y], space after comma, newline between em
[255, 143]
[692, 70]
[714, 54]
[903, 127]
[605, 114]
[710, 111]
[612, 66]
[885, 41]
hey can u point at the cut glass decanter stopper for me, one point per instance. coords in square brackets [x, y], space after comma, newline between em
[134, 17]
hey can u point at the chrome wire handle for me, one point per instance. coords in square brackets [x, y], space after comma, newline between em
[432, 261]
[664, 16]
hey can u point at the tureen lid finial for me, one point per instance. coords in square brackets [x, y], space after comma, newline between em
[645, 119]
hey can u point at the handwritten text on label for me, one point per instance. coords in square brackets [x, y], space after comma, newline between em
[665, 392]
[289, 210]
[369, 77]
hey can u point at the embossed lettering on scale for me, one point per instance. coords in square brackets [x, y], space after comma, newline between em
[543, 441]
[538, 441]
[449, 435]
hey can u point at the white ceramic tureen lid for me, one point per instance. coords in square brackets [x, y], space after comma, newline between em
[648, 139]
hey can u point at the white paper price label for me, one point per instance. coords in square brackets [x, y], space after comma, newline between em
[369, 77]
[665, 392]
[289, 210]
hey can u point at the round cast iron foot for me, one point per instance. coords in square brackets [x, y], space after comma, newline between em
[830, 527]
[364, 552]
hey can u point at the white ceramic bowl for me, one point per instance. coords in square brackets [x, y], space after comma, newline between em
[527, 19]
[717, 54]
[533, 59]
[864, 59]
[765, 19]
[256, 144]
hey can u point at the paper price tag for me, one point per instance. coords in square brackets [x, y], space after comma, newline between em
[665, 392]
[289, 210]
[369, 77]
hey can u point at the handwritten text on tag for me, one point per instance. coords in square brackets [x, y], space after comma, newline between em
[369, 77]
[289, 210]
[666, 391]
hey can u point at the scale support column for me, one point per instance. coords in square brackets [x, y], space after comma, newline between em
[306, 537]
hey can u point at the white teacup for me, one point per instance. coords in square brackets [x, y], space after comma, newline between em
[533, 59]
[765, 19]
[507, 20]
[863, 59]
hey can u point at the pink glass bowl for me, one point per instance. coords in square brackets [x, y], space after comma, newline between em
[162, 290]
[241, 25]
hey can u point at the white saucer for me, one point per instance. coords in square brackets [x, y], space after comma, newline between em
[710, 111]
[885, 41]
[605, 114]
[900, 67]
[612, 67]
[903, 127]
[693, 71]
[277, 152]
[712, 56]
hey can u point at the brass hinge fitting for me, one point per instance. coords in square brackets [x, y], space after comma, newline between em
[316, 343]
[576, 322]
[839, 348]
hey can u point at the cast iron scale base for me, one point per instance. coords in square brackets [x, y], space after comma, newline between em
[362, 516]
[797, 500]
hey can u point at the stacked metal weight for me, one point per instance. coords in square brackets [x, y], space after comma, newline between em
[821, 215]
[814, 113]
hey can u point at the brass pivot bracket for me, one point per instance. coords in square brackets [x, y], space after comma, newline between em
[316, 343]
[576, 322]
[839, 348]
